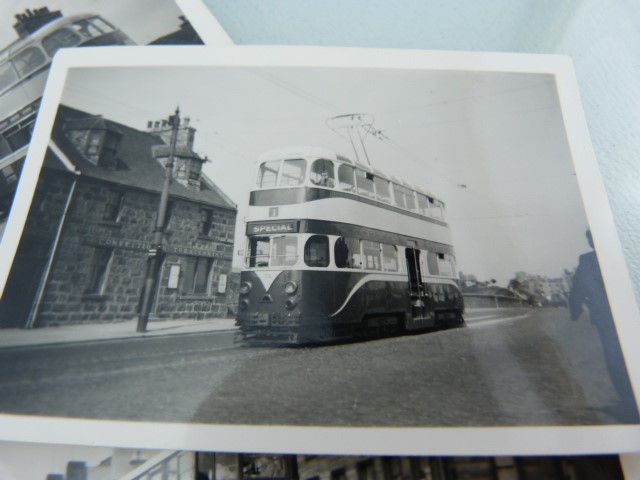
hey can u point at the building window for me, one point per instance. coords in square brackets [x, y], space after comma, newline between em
[206, 222]
[99, 270]
[9, 175]
[113, 207]
[392, 467]
[197, 277]
[168, 214]
[194, 171]
[366, 470]
[339, 474]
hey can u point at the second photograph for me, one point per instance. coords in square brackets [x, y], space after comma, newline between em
[326, 246]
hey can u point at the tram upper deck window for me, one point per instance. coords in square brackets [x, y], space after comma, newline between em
[437, 209]
[92, 27]
[268, 174]
[398, 196]
[383, 191]
[293, 172]
[364, 182]
[29, 60]
[345, 177]
[278, 173]
[316, 251]
[410, 199]
[62, 38]
[8, 76]
[423, 204]
[403, 197]
[347, 253]
[322, 173]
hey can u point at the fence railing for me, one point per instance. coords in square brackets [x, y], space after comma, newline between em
[168, 465]
[475, 300]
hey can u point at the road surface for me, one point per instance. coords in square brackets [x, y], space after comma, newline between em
[507, 368]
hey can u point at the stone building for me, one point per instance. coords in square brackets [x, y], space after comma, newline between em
[83, 252]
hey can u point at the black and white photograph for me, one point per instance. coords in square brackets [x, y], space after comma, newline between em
[71, 462]
[382, 239]
[31, 34]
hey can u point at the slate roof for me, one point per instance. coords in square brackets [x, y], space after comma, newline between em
[137, 168]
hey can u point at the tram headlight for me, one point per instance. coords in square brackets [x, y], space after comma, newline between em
[245, 287]
[290, 304]
[243, 304]
[290, 288]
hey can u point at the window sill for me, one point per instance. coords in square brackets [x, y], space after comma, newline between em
[195, 296]
[107, 223]
[95, 297]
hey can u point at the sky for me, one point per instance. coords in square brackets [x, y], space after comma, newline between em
[492, 146]
[142, 20]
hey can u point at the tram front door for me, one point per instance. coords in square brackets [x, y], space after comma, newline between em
[416, 287]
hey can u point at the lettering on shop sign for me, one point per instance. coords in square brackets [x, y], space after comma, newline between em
[142, 245]
[267, 228]
[193, 252]
[120, 243]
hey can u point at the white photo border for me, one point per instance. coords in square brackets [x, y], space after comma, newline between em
[541, 440]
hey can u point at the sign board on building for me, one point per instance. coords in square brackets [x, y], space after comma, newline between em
[174, 276]
[222, 283]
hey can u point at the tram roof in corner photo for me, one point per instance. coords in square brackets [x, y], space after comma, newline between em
[42, 32]
[311, 152]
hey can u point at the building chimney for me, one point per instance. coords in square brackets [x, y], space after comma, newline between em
[32, 20]
[186, 133]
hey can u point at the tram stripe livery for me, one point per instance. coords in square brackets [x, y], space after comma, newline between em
[338, 250]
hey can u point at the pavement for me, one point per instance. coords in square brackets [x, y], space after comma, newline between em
[17, 337]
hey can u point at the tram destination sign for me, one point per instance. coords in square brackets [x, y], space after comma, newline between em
[265, 228]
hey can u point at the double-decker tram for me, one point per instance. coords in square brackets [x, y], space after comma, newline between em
[24, 65]
[339, 250]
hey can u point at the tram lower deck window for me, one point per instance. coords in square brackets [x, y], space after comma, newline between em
[316, 251]
[273, 251]
[347, 253]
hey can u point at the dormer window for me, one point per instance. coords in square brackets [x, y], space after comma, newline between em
[96, 139]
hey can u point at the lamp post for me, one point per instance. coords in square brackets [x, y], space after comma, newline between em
[156, 252]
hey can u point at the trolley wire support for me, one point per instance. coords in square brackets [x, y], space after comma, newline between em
[155, 254]
[355, 127]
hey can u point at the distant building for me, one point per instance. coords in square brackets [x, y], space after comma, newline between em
[545, 287]
[83, 253]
